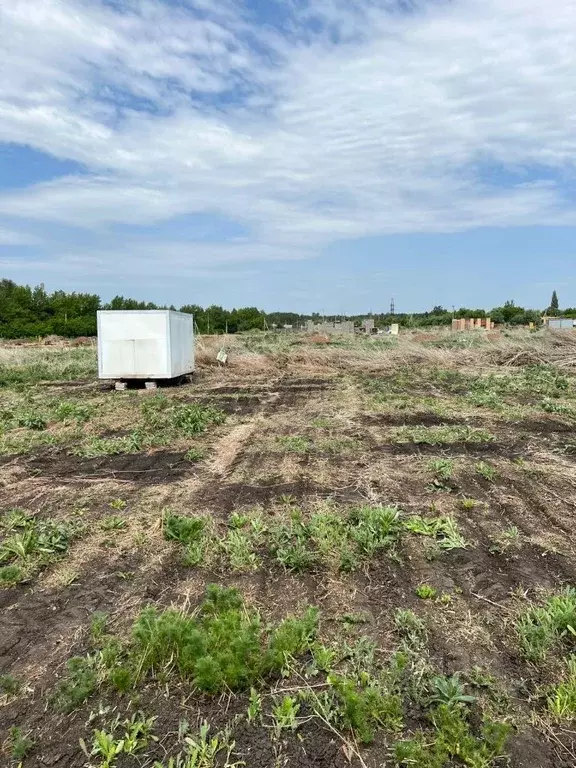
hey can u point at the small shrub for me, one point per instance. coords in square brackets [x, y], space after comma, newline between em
[468, 504]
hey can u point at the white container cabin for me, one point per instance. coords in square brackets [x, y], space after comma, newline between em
[148, 344]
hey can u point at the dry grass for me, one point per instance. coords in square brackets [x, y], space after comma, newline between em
[255, 354]
[263, 353]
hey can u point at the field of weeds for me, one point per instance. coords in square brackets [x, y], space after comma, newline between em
[356, 553]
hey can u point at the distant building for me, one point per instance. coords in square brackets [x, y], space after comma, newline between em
[559, 323]
[471, 323]
[346, 326]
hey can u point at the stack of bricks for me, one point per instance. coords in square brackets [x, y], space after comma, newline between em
[471, 323]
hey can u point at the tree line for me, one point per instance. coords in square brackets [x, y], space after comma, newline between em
[27, 312]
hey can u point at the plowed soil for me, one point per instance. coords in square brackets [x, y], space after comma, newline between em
[519, 546]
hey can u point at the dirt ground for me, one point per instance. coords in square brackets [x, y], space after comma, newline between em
[298, 438]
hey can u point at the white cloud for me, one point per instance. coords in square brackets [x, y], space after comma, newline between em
[304, 140]
[10, 237]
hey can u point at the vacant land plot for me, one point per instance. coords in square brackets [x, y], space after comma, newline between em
[358, 553]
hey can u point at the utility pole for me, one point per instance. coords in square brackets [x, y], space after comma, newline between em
[392, 307]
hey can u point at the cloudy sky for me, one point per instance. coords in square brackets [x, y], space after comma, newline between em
[323, 155]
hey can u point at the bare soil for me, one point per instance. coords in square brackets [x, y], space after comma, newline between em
[45, 621]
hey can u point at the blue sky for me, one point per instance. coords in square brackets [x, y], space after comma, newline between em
[301, 155]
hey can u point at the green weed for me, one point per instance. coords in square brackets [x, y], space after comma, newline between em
[192, 419]
[31, 544]
[110, 446]
[186, 530]
[239, 548]
[323, 657]
[561, 700]
[113, 523]
[506, 539]
[254, 705]
[336, 445]
[363, 705]
[11, 574]
[411, 627]
[223, 646]
[20, 743]
[294, 443]
[545, 380]
[284, 715]
[10, 685]
[443, 470]
[204, 751]
[426, 592]
[191, 533]
[450, 692]
[442, 435]
[542, 627]
[30, 419]
[137, 734]
[443, 529]
[34, 365]
[194, 454]
[98, 625]
[374, 528]
[452, 742]
[335, 540]
[486, 471]
[67, 410]
[79, 683]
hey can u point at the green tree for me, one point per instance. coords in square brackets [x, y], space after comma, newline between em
[554, 305]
